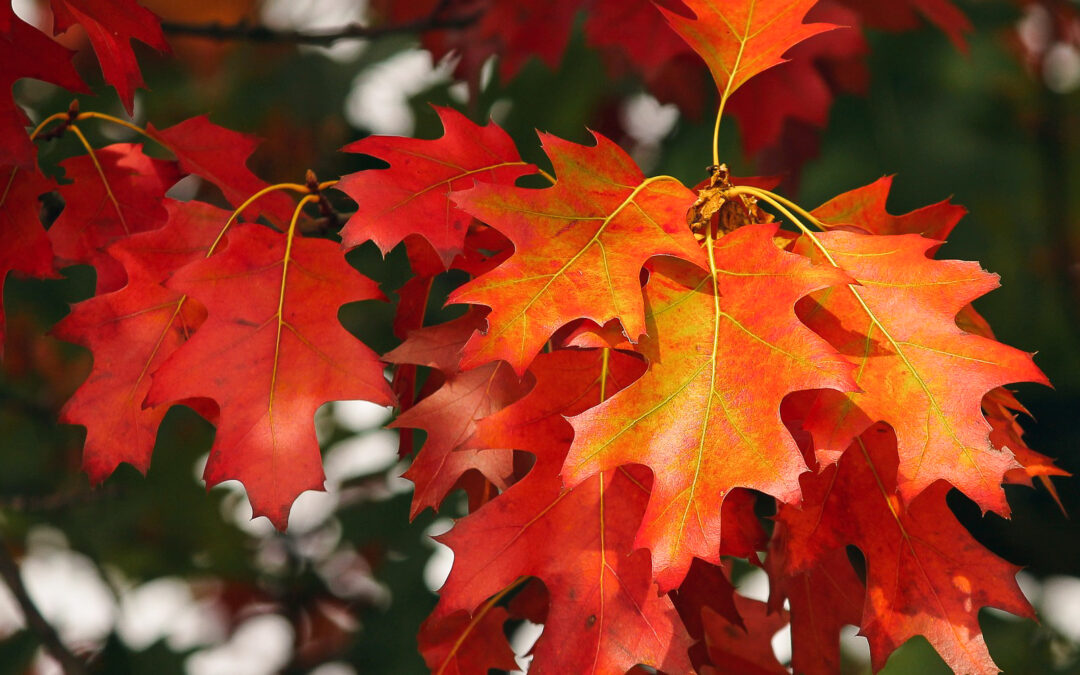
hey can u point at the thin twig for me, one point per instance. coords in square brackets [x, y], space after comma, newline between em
[9, 571]
[354, 31]
[57, 501]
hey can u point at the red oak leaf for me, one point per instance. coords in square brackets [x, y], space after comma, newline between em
[703, 418]
[413, 195]
[624, 25]
[744, 649]
[514, 31]
[413, 298]
[864, 208]
[270, 353]
[740, 39]
[822, 600]
[901, 16]
[131, 332]
[916, 369]
[111, 25]
[126, 197]
[220, 155]
[743, 534]
[1007, 434]
[705, 586]
[578, 248]
[605, 614]
[462, 644]
[24, 246]
[26, 52]
[409, 316]
[439, 346]
[925, 574]
[800, 88]
[998, 405]
[190, 230]
[449, 417]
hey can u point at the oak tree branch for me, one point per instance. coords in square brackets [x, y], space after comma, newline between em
[438, 18]
[9, 572]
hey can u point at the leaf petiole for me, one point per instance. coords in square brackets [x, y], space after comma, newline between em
[101, 172]
[46, 122]
[292, 187]
[781, 204]
[90, 114]
[484, 609]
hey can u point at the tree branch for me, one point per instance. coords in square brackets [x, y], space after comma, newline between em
[243, 30]
[57, 501]
[9, 571]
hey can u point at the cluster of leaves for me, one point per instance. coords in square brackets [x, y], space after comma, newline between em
[642, 369]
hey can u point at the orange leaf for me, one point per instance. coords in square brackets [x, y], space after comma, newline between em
[925, 574]
[745, 649]
[725, 349]
[449, 417]
[741, 38]
[461, 644]
[605, 615]
[864, 208]
[578, 248]
[917, 370]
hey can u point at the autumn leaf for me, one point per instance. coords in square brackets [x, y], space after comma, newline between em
[131, 332]
[436, 346]
[220, 156]
[125, 197]
[822, 600]
[604, 614]
[864, 208]
[703, 418]
[578, 248]
[803, 87]
[24, 247]
[705, 586]
[270, 353]
[439, 346]
[740, 39]
[904, 15]
[514, 31]
[449, 417]
[111, 26]
[190, 231]
[26, 52]
[925, 574]
[745, 649]
[413, 195]
[461, 644]
[916, 369]
[624, 25]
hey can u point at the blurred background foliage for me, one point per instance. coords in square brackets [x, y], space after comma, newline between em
[152, 574]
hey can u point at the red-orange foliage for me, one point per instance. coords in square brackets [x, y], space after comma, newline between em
[693, 350]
